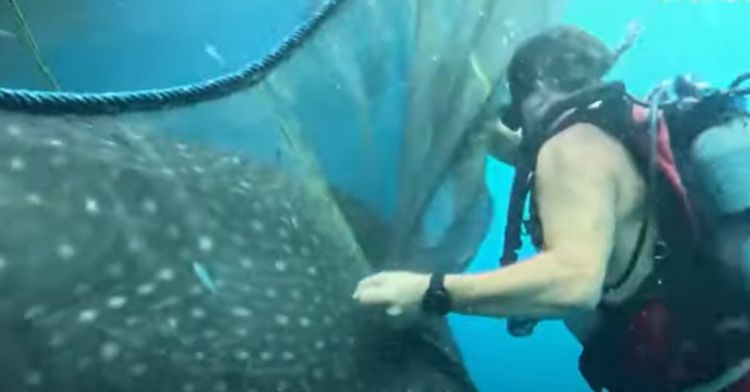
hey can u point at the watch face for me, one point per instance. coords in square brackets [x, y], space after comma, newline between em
[436, 301]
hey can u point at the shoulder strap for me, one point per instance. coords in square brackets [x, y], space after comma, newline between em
[585, 105]
[650, 197]
[640, 242]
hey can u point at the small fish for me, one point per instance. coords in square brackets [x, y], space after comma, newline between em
[7, 34]
[212, 52]
[202, 273]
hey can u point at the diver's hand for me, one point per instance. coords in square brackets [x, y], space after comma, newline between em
[504, 143]
[399, 292]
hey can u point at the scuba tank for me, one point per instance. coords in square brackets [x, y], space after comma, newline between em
[710, 131]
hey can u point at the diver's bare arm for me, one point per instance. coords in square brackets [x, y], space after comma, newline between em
[576, 197]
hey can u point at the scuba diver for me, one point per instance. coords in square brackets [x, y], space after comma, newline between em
[641, 215]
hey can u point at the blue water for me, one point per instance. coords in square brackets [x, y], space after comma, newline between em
[124, 45]
[702, 36]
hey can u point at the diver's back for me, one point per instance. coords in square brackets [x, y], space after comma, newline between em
[644, 316]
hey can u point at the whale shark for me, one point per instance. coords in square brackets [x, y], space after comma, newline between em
[132, 261]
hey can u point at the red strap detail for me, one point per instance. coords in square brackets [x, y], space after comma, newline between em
[665, 162]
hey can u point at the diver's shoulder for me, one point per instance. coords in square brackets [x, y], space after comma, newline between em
[585, 143]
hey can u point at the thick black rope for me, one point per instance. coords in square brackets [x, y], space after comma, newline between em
[40, 102]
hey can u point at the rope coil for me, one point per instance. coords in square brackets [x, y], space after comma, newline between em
[41, 102]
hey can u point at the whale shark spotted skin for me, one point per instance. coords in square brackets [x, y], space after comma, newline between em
[132, 262]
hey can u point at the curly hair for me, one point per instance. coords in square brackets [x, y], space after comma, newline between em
[564, 58]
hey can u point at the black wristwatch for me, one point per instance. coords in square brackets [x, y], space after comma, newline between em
[436, 300]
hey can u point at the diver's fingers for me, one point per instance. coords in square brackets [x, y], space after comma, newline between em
[370, 281]
[374, 296]
[513, 136]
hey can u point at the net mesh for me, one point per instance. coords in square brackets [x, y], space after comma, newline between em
[217, 245]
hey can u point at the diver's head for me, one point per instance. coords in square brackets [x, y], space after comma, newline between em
[549, 65]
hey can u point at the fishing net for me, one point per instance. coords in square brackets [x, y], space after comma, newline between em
[265, 194]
